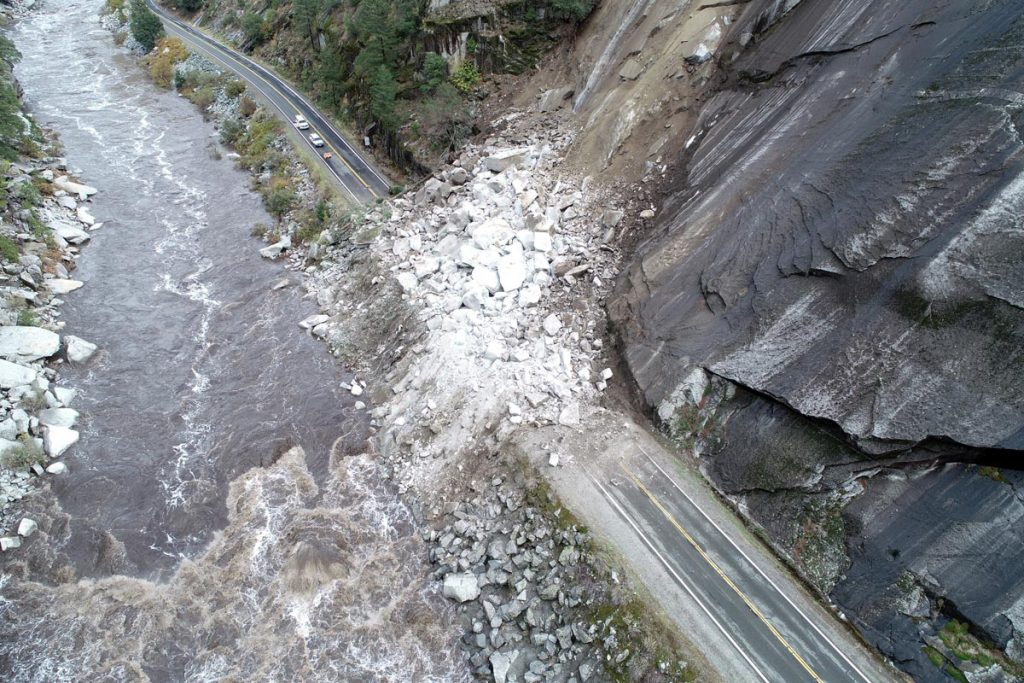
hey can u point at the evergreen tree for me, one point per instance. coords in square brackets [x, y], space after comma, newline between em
[305, 13]
[145, 26]
[12, 125]
[383, 90]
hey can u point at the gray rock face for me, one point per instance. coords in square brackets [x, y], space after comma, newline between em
[867, 269]
[847, 244]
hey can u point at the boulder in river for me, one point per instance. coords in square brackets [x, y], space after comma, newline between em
[56, 440]
[461, 587]
[83, 191]
[77, 349]
[62, 286]
[58, 417]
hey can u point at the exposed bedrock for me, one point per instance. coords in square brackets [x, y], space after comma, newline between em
[845, 243]
[847, 236]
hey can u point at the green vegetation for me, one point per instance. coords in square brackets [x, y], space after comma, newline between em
[434, 72]
[279, 198]
[169, 51]
[573, 10]
[992, 473]
[189, 5]
[24, 455]
[33, 402]
[12, 123]
[820, 543]
[466, 77]
[8, 249]
[27, 318]
[145, 26]
[254, 29]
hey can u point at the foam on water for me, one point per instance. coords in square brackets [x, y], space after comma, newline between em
[210, 527]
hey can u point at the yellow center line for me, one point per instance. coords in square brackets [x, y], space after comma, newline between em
[718, 570]
[266, 82]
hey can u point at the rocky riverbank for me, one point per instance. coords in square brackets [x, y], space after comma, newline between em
[44, 222]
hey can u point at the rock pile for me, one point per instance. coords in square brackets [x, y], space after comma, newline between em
[504, 264]
[537, 606]
[48, 222]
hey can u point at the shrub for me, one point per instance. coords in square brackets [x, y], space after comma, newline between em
[145, 26]
[253, 29]
[572, 10]
[279, 199]
[203, 97]
[28, 194]
[190, 5]
[231, 130]
[169, 51]
[435, 71]
[234, 89]
[8, 249]
[33, 402]
[27, 318]
[466, 77]
[247, 107]
[24, 455]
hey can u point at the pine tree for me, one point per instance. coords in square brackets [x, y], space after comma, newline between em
[305, 13]
[145, 26]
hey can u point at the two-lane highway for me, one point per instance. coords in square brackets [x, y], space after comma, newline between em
[359, 179]
[749, 617]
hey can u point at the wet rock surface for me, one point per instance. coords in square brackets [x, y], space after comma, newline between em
[844, 249]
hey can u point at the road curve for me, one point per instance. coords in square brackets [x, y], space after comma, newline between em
[746, 613]
[359, 179]
[772, 635]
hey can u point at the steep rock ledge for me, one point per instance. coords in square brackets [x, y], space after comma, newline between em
[843, 255]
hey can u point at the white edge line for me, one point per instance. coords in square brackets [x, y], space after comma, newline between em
[269, 99]
[678, 578]
[756, 567]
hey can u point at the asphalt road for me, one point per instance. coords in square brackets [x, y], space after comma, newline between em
[356, 175]
[775, 638]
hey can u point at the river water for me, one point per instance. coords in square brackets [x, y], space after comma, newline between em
[218, 521]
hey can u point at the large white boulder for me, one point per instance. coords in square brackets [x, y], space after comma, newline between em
[62, 286]
[27, 527]
[487, 277]
[56, 440]
[493, 232]
[501, 662]
[552, 324]
[69, 232]
[70, 187]
[64, 395]
[506, 158]
[77, 349]
[58, 417]
[21, 343]
[83, 215]
[57, 468]
[512, 271]
[14, 375]
[461, 587]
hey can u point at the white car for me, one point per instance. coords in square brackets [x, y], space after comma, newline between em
[301, 123]
[316, 140]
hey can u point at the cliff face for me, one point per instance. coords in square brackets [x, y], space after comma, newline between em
[846, 239]
[845, 245]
